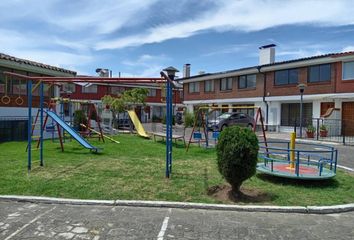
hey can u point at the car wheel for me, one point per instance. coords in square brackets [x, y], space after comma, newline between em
[223, 127]
[250, 126]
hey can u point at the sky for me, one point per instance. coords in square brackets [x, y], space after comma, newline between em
[141, 37]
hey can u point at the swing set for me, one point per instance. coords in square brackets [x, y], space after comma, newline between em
[50, 111]
[200, 132]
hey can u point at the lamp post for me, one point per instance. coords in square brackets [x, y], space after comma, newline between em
[171, 71]
[301, 87]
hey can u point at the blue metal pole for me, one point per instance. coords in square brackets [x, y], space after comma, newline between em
[29, 130]
[167, 132]
[41, 100]
[170, 124]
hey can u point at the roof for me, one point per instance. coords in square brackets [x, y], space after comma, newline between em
[35, 64]
[333, 55]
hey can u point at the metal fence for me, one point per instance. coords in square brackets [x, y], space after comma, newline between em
[13, 129]
[332, 130]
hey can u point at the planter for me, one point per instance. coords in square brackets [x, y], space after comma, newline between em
[310, 134]
[323, 133]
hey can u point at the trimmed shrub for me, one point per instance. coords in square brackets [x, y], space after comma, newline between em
[237, 153]
[188, 119]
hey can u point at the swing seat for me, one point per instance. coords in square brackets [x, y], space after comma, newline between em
[197, 135]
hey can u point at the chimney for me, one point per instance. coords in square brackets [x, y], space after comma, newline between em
[267, 54]
[186, 70]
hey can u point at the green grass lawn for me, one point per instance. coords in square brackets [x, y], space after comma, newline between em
[135, 169]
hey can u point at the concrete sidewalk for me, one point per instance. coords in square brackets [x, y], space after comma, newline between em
[53, 221]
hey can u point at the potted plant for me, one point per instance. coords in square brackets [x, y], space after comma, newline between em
[323, 131]
[310, 131]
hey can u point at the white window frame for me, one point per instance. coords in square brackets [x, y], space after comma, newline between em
[89, 89]
[209, 86]
[343, 64]
[193, 87]
[228, 82]
[152, 92]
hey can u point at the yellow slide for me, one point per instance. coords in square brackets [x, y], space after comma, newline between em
[137, 124]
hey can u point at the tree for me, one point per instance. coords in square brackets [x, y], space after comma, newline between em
[237, 153]
[128, 100]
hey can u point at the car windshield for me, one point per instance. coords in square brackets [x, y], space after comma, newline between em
[224, 116]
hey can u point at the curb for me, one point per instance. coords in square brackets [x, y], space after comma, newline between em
[184, 205]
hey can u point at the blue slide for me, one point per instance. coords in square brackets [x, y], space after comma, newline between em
[71, 131]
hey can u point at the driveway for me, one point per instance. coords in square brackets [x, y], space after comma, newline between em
[51, 221]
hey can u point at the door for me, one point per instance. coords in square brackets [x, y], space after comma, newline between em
[348, 118]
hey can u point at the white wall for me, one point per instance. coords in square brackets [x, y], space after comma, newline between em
[316, 109]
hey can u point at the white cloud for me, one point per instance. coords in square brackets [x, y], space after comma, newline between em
[147, 65]
[348, 49]
[249, 15]
[33, 47]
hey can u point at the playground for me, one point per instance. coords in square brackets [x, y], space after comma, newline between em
[127, 166]
[134, 169]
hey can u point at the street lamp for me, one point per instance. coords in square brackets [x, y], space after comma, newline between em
[171, 71]
[301, 87]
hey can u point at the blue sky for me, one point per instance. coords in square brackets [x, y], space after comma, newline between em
[140, 37]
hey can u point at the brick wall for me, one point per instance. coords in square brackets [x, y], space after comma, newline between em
[343, 86]
[291, 89]
[218, 94]
[105, 90]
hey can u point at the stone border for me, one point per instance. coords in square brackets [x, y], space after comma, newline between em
[184, 205]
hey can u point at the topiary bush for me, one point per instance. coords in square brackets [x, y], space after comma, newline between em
[237, 155]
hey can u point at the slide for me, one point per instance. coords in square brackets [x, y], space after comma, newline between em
[71, 131]
[137, 124]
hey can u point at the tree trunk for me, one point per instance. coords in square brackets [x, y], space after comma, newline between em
[236, 192]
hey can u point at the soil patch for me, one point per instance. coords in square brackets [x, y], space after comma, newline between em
[223, 194]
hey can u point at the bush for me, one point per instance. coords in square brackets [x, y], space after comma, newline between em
[155, 118]
[188, 119]
[237, 155]
[80, 118]
[163, 120]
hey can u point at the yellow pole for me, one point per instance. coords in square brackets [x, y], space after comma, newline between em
[292, 148]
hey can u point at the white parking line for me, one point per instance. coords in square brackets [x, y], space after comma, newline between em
[27, 224]
[164, 226]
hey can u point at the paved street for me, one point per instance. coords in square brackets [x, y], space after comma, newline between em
[46, 221]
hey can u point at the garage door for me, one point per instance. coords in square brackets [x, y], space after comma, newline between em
[348, 118]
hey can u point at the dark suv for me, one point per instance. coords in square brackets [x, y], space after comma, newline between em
[230, 119]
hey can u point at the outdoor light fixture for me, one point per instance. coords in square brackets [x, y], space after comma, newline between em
[171, 71]
[301, 87]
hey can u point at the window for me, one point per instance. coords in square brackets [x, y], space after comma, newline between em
[284, 77]
[69, 87]
[244, 108]
[209, 86]
[290, 113]
[348, 71]
[247, 81]
[117, 90]
[226, 84]
[3, 79]
[89, 89]
[152, 92]
[194, 87]
[319, 73]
